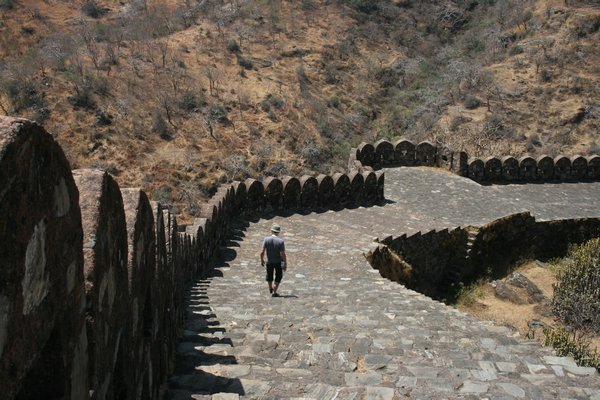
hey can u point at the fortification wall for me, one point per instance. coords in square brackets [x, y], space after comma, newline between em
[437, 263]
[93, 275]
[489, 170]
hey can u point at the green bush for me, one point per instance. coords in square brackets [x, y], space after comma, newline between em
[159, 126]
[569, 345]
[92, 9]
[188, 101]
[576, 300]
[83, 98]
[366, 6]
[23, 94]
[472, 102]
[245, 63]
[333, 102]
[7, 4]
[516, 49]
[233, 46]
[546, 75]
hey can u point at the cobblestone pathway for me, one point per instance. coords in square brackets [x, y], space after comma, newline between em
[341, 331]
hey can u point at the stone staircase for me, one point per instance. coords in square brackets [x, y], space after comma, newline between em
[341, 331]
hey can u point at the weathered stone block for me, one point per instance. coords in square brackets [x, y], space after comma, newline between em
[165, 278]
[594, 167]
[380, 185]
[476, 169]
[370, 185]
[528, 169]
[405, 153]
[366, 153]
[291, 193]
[41, 274]
[309, 197]
[493, 169]
[326, 194]
[510, 168]
[240, 196]
[106, 287]
[341, 190]
[221, 218]
[197, 234]
[579, 168]
[174, 295]
[562, 168]
[255, 194]
[209, 211]
[273, 193]
[425, 154]
[545, 169]
[357, 183]
[384, 152]
[145, 321]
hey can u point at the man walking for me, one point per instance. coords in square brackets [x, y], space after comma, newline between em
[274, 247]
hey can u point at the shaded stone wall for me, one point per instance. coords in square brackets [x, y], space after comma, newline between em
[438, 263]
[490, 170]
[93, 276]
[430, 257]
[42, 296]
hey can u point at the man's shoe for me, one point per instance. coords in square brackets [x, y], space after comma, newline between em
[275, 294]
[271, 290]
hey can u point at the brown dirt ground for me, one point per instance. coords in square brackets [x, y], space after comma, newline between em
[488, 307]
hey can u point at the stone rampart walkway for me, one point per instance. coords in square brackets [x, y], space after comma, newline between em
[341, 331]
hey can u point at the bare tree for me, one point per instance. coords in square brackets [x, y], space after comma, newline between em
[213, 75]
[163, 48]
[87, 36]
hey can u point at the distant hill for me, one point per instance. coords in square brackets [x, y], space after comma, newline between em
[176, 96]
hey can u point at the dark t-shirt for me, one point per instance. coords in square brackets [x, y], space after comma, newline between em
[273, 246]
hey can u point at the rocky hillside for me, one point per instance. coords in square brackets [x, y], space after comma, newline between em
[175, 96]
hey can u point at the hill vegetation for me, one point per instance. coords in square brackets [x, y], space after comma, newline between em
[176, 96]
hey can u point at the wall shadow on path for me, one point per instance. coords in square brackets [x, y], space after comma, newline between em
[203, 332]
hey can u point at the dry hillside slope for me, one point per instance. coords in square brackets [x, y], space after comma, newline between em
[175, 96]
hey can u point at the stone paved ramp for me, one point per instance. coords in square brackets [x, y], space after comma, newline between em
[342, 331]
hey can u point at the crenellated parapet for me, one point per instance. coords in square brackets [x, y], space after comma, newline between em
[439, 262]
[93, 276]
[506, 169]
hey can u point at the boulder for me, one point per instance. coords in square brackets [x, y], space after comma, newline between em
[309, 197]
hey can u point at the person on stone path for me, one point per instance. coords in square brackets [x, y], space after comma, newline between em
[274, 248]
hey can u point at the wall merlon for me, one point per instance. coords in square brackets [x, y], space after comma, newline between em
[106, 279]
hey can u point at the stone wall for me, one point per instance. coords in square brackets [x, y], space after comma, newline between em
[93, 276]
[489, 170]
[438, 263]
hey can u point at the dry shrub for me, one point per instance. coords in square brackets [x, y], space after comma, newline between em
[569, 344]
[576, 300]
